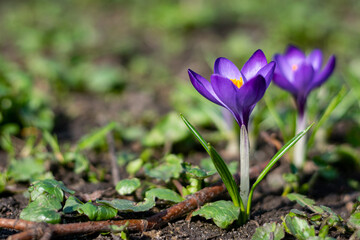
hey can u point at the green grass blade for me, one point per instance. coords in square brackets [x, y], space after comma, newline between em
[90, 140]
[277, 156]
[196, 133]
[333, 104]
[226, 176]
[54, 144]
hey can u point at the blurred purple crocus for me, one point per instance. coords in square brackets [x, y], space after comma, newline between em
[238, 91]
[300, 74]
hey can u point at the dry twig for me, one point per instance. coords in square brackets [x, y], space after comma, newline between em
[115, 173]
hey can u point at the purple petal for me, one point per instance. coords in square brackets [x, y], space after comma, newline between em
[284, 83]
[203, 86]
[256, 62]
[294, 56]
[226, 91]
[267, 72]
[251, 92]
[283, 68]
[302, 78]
[315, 59]
[226, 68]
[325, 73]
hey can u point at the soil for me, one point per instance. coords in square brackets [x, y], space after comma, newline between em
[268, 204]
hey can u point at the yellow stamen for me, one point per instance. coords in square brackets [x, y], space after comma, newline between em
[294, 67]
[238, 82]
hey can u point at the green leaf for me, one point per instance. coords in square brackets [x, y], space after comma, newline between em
[91, 140]
[126, 205]
[333, 217]
[272, 162]
[104, 78]
[81, 163]
[36, 213]
[97, 213]
[194, 186]
[93, 212]
[127, 186]
[46, 198]
[48, 201]
[222, 212]
[298, 227]
[171, 168]
[305, 202]
[196, 134]
[48, 187]
[272, 230]
[323, 232]
[298, 213]
[169, 129]
[54, 144]
[27, 169]
[72, 204]
[196, 172]
[321, 238]
[208, 165]
[354, 220]
[164, 194]
[134, 166]
[226, 176]
[2, 181]
[333, 104]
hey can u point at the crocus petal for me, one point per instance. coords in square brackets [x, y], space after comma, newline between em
[283, 83]
[325, 73]
[283, 67]
[315, 59]
[302, 78]
[256, 62]
[251, 92]
[203, 86]
[267, 72]
[226, 68]
[226, 91]
[294, 56]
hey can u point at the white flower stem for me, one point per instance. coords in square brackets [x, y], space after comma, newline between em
[300, 146]
[244, 165]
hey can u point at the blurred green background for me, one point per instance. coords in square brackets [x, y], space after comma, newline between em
[59, 59]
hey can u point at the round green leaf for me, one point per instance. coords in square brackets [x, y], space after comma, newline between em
[164, 194]
[37, 213]
[127, 186]
[126, 205]
[223, 213]
[269, 231]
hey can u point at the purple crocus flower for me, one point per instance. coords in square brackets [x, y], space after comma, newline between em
[237, 91]
[300, 74]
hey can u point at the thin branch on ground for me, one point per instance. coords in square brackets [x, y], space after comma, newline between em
[115, 173]
[35, 230]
